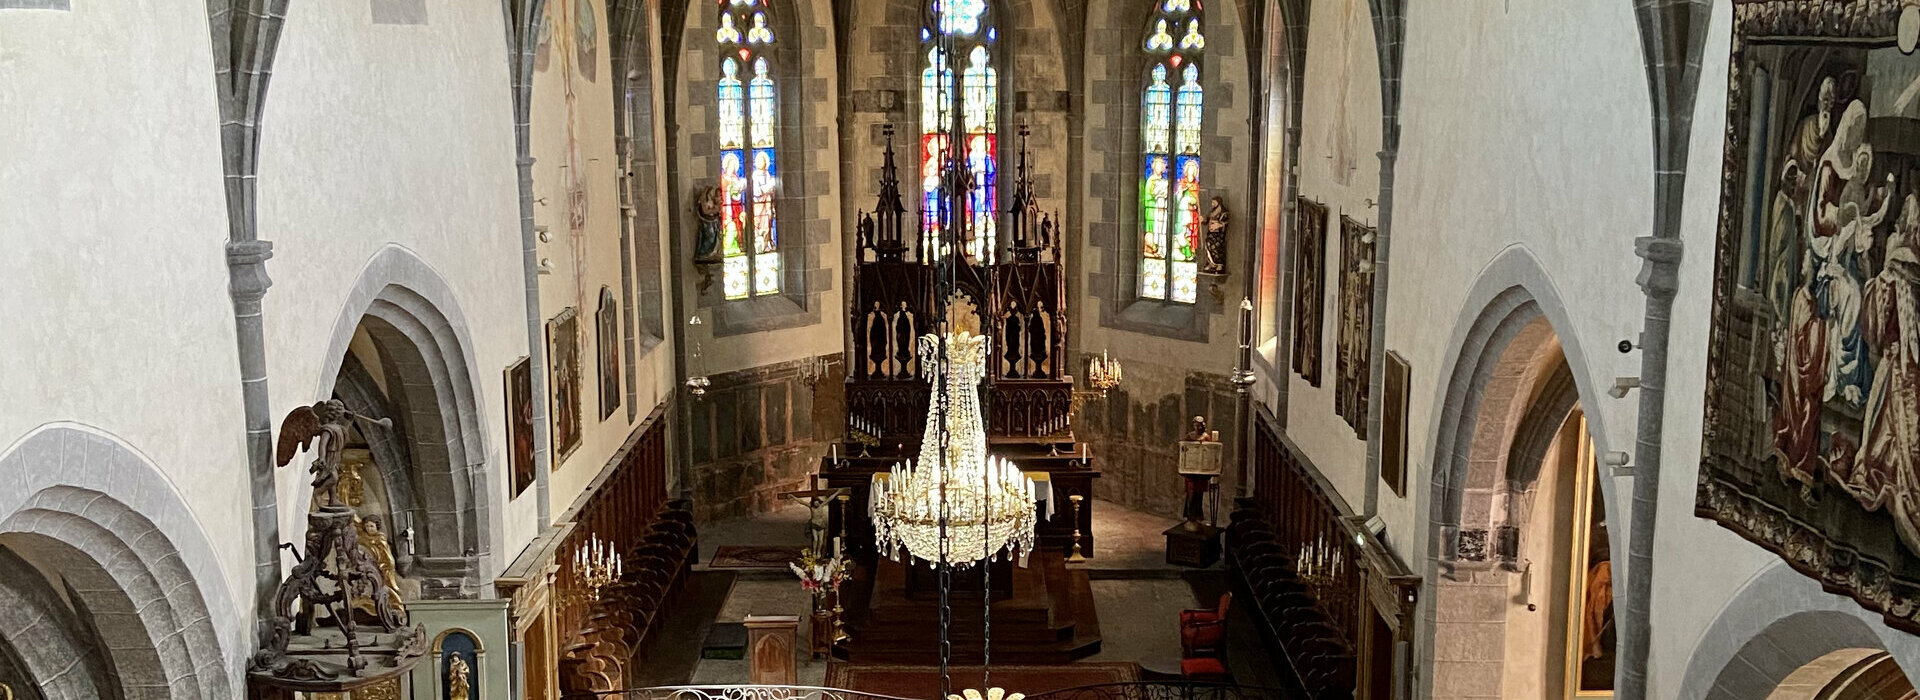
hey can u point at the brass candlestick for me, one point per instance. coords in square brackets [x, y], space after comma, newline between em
[839, 625]
[1073, 514]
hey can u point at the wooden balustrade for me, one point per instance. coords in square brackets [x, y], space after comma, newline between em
[1326, 589]
[627, 509]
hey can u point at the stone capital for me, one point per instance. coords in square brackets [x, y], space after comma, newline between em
[247, 278]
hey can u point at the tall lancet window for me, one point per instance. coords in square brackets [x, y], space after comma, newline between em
[1170, 217]
[969, 24]
[749, 161]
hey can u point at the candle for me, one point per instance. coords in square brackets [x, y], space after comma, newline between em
[836, 453]
[1246, 322]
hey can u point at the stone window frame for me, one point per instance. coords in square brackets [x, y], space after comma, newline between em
[1118, 285]
[803, 274]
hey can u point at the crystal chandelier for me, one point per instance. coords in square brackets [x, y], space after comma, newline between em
[959, 505]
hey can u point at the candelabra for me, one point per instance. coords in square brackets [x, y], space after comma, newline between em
[1103, 373]
[595, 566]
[1320, 566]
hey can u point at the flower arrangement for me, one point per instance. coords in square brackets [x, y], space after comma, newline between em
[818, 576]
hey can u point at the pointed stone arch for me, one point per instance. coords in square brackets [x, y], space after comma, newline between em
[425, 353]
[132, 558]
[1497, 404]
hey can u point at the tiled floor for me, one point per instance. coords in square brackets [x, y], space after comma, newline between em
[1139, 596]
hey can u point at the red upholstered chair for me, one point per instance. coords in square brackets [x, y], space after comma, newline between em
[1203, 669]
[1217, 614]
[1204, 632]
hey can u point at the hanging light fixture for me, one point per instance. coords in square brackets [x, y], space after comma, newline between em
[957, 505]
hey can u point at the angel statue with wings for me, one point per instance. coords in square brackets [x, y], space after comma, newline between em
[322, 427]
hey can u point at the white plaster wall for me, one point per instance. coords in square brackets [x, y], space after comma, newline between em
[1525, 126]
[1342, 68]
[114, 310]
[566, 104]
[392, 134]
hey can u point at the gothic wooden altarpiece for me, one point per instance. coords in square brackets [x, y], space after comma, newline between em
[1018, 301]
[1812, 425]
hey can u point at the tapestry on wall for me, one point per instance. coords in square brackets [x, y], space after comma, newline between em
[606, 323]
[1309, 287]
[1812, 417]
[1353, 351]
[563, 381]
[520, 423]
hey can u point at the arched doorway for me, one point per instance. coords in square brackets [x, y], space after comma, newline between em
[98, 589]
[400, 353]
[1518, 595]
[1847, 674]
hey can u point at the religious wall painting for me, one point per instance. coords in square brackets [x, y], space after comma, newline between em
[1215, 250]
[606, 323]
[1591, 633]
[1353, 349]
[586, 44]
[1309, 285]
[563, 381]
[1393, 423]
[1812, 416]
[519, 394]
[543, 42]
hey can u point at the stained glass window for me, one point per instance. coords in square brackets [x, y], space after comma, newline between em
[749, 160]
[1170, 217]
[969, 23]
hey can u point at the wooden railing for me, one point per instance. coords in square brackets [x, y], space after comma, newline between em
[1326, 588]
[1311, 526]
[627, 509]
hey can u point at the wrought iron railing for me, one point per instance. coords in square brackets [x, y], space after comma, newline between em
[1137, 690]
[1166, 690]
[733, 692]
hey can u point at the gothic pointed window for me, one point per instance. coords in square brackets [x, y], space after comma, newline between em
[1170, 216]
[749, 158]
[969, 24]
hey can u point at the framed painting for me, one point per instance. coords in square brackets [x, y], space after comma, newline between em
[1309, 285]
[606, 323]
[1811, 440]
[1590, 640]
[519, 377]
[1353, 352]
[1393, 424]
[563, 382]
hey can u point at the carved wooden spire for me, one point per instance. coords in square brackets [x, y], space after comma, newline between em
[888, 211]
